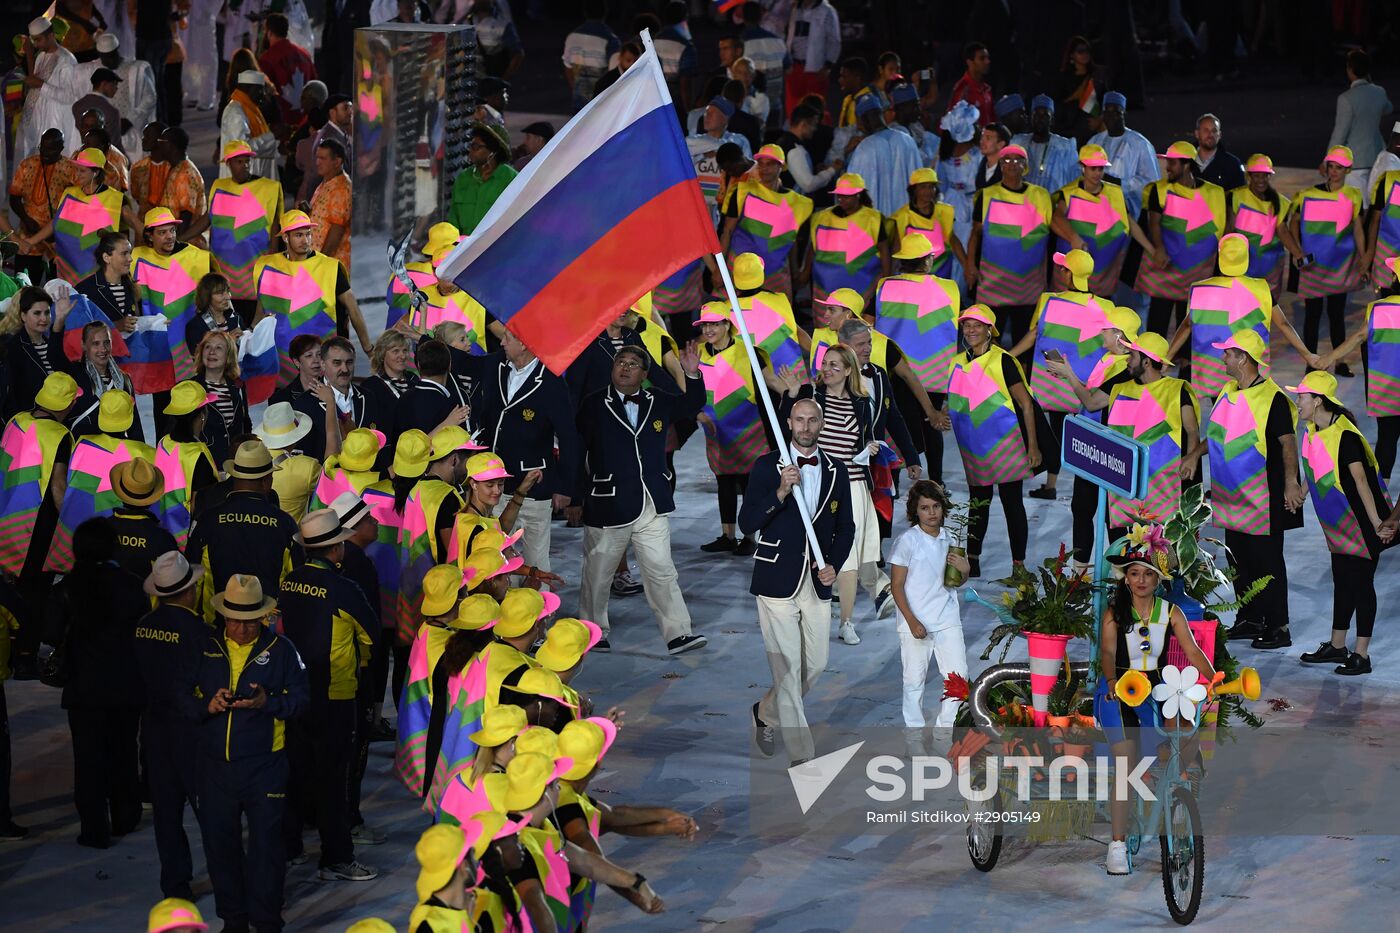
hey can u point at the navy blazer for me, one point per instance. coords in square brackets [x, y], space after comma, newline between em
[622, 462]
[592, 370]
[782, 554]
[889, 419]
[522, 431]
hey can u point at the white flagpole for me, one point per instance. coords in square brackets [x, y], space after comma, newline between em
[759, 387]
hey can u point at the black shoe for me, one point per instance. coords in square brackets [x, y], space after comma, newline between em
[682, 644]
[235, 926]
[11, 831]
[1245, 629]
[763, 738]
[383, 732]
[1044, 492]
[95, 843]
[721, 545]
[1326, 653]
[1278, 638]
[603, 645]
[1354, 665]
[746, 547]
[1344, 371]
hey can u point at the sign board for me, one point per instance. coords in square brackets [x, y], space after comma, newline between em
[1105, 458]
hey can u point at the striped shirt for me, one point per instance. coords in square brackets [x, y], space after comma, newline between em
[840, 436]
[222, 400]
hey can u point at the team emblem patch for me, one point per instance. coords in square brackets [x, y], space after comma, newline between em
[528, 414]
[834, 507]
[656, 425]
[263, 658]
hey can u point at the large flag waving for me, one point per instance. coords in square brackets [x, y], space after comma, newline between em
[609, 207]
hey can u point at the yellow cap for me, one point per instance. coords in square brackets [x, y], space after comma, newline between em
[494, 539]
[173, 913]
[1320, 383]
[748, 271]
[186, 397]
[1341, 155]
[358, 450]
[1246, 341]
[923, 176]
[771, 151]
[296, 220]
[537, 740]
[486, 466]
[521, 608]
[1079, 265]
[450, 439]
[57, 393]
[476, 613]
[585, 741]
[373, 925]
[1234, 254]
[566, 644]
[542, 683]
[521, 787]
[441, 849]
[484, 564]
[411, 454]
[847, 298]
[1125, 320]
[91, 158]
[499, 725]
[914, 246]
[235, 148]
[642, 307]
[1180, 149]
[980, 313]
[441, 584]
[849, 183]
[115, 412]
[713, 312]
[1153, 346]
[1259, 163]
[441, 236]
[159, 217]
[1094, 156]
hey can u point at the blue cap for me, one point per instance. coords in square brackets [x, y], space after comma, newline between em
[1009, 105]
[1114, 97]
[1043, 100]
[724, 106]
[866, 103]
[904, 94]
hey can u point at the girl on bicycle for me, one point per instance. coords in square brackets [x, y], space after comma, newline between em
[1134, 637]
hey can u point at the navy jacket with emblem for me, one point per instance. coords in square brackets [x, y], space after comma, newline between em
[622, 462]
[329, 620]
[168, 640]
[274, 665]
[522, 431]
[781, 552]
[889, 420]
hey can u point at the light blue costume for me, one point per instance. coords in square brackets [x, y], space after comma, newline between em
[886, 160]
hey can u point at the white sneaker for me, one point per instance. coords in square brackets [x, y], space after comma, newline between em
[1118, 858]
[848, 634]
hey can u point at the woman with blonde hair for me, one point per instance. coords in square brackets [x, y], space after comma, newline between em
[216, 369]
[390, 377]
[848, 436]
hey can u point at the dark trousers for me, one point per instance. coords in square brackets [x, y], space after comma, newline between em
[247, 885]
[171, 773]
[1083, 503]
[174, 91]
[1354, 593]
[106, 788]
[400, 655]
[933, 440]
[1336, 306]
[5, 814]
[154, 52]
[1387, 438]
[1012, 506]
[359, 755]
[731, 486]
[1162, 313]
[320, 746]
[1256, 556]
[1056, 420]
[1013, 323]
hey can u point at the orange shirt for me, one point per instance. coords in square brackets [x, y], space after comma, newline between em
[141, 186]
[331, 205]
[41, 188]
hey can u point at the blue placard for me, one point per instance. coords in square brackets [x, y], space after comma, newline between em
[1103, 457]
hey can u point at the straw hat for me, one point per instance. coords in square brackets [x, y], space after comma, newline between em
[171, 574]
[321, 529]
[137, 483]
[351, 509]
[251, 460]
[282, 426]
[243, 599]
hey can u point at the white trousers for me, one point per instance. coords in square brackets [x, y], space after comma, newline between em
[650, 537]
[946, 648]
[535, 518]
[797, 637]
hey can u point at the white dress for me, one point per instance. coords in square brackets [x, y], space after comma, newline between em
[136, 99]
[51, 105]
[201, 74]
[234, 125]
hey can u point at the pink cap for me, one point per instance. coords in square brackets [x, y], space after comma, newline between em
[713, 312]
[1011, 152]
[849, 183]
[1260, 163]
[1339, 154]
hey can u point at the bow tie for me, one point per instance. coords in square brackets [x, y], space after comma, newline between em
[808, 461]
[634, 399]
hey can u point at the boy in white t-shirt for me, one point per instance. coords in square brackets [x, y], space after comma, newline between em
[916, 578]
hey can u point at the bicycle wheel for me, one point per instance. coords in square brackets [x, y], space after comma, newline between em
[984, 836]
[1183, 857]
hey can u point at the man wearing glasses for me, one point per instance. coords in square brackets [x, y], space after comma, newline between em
[625, 489]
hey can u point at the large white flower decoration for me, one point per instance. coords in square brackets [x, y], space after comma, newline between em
[1179, 692]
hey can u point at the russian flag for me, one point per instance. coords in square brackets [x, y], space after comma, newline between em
[609, 208]
[148, 361]
[257, 360]
[79, 316]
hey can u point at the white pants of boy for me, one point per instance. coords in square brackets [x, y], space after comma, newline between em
[945, 646]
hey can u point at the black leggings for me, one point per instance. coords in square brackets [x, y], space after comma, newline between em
[731, 485]
[1083, 503]
[1014, 322]
[1162, 312]
[1012, 506]
[1057, 430]
[1336, 320]
[1354, 592]
[1387, 437]
[933, 440]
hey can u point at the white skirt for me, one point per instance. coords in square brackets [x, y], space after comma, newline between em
[866, 549]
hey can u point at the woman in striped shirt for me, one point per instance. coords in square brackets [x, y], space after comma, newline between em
[847, 434]
[216, 369]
